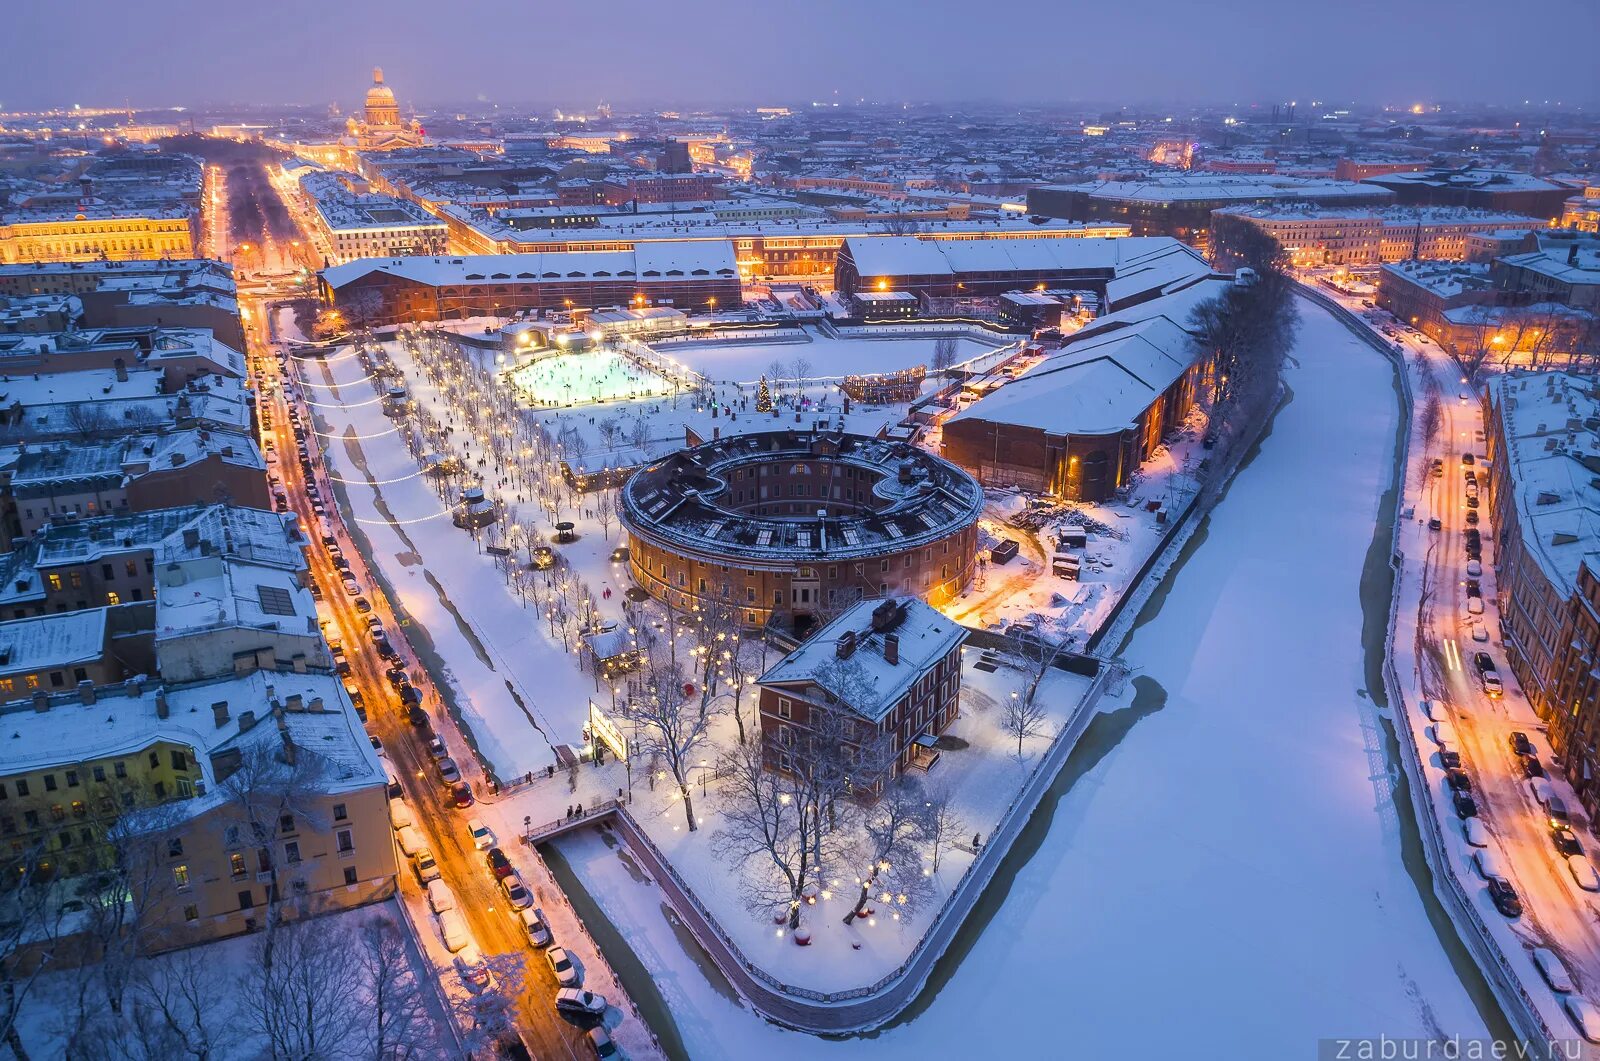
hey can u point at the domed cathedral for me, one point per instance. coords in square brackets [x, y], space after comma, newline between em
[380, 127]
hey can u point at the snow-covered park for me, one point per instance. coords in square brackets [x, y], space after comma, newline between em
[1223, 874]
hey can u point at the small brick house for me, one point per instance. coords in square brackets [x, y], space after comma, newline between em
[890, 668]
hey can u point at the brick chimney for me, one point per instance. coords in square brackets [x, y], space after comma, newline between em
[247, 721]
[41, 701]
[845, 647]
[219, 713]
[86, 693]
[162, 710]
[891, 649]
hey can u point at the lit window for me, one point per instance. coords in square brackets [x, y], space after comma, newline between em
[180, 877]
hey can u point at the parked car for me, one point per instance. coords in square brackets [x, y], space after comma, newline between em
[436, 747]
[410, 841]
[449, 773]
[1474, 830]
[427, 868]
[1467, 458]
[440, 897]
[1466, 806]
[410, 694]
[1504, 897]
[600, 1040]
[1434, 524]
[352, 588]
[474, 971]
[1531, 766]
[516, 893]
[482, 835]
[399, 814]
[453, 930]
[1566, 841]
[567, 974]
[417, 717]
[1520, 744]
[533, 923]
[363, 605]
[1459, 780]
[1583, 873]
[1449, 758]
[1472, 517]
[580, 1002]
[1584, 1016]
[499, 864]
[1550, 967]
[461, 795]
[397, 677]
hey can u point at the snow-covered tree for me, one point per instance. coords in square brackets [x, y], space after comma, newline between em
[887, 849]
[673, 728]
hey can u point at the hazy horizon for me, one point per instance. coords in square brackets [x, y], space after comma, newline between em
[714, 53]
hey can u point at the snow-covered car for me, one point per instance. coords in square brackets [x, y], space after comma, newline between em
[561, 964]
[453, 930]
[516, 892]
[1480, 633]
[1550, 967]
[1583, 873]
[482, 835]
[410, 841]
[427, 868]
[1475, 831]
[352, 588]
[1488, 864]
[1566, 841]
[1475, 568]
[399, 814]
[440, 897]
[584, 1003]
[1584, 1016]
[473, 969]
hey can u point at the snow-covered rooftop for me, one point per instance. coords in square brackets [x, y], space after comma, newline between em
[866, 681]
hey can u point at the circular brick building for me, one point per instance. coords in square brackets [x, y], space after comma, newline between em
[796, 525]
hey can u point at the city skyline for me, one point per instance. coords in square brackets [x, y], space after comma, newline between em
[1255, 52]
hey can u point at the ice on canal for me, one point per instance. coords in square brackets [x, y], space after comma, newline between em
[1227, 881]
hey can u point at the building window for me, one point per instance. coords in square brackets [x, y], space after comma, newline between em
[180, 877]
[339, 813]
[236, 864]
[113, 598]
[286, 823]
[785, 707]
[49, 782]
[175, 848]
[180, 761]
[350, 875]
[22, 786]
[72, 779]
[347, 841]
[119, 768]
[191, 913]
[291, 852]
[247, 900]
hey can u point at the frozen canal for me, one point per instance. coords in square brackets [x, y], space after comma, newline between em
[1223, 875]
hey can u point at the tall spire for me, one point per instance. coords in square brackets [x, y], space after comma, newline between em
[377, 75]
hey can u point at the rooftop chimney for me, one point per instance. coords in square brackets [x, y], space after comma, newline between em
[891, 649]
[162, 710]
[295, 702]
[219, 713]
[191, 537]
[247, 721]
[86, 692]
[845, 647]
[314, 704]
[41, 701]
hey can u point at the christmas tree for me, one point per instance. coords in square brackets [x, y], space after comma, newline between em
[763, 397]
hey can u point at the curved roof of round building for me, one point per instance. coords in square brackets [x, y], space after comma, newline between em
[680, 500]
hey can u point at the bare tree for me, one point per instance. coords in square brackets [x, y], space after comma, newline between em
[801, 367]
[489, 1015]
[1023, 717]
[605, 511]
[271, 788]
[86, 421]
[888, 847]
[31, 925]
[181, 1006]
[299, 995]
[943, 822]
[776, 372]
[768, 833]
[945, 352]
[671, 726]
[396, 1013]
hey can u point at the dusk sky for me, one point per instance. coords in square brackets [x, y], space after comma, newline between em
[102, 52]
